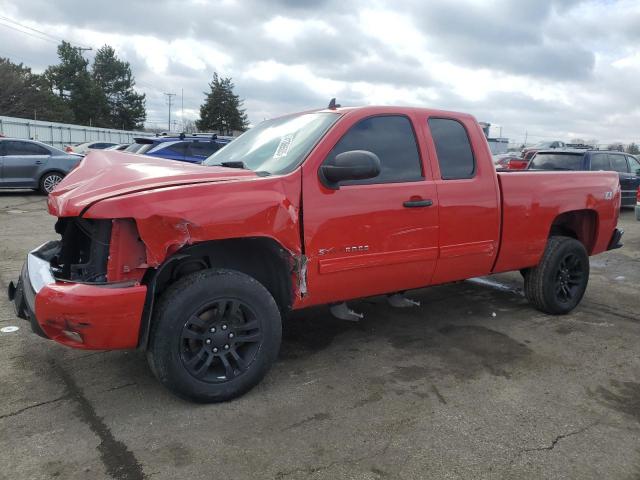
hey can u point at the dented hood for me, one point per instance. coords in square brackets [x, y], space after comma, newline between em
[107, 174]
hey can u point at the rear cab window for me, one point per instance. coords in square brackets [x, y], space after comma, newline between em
[453, 148]
[557, 161]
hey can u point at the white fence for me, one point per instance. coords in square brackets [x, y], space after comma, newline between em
[61, 134]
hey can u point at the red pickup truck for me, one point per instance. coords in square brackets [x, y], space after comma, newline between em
[196, 264]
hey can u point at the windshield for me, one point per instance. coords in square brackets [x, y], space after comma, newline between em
[276, 146]
[557, 161]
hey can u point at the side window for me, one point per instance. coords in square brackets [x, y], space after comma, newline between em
[600, 161]
[179, 148]
[619, 163]
[634, 164]
[392, 139]
[202, 149]
[455, 156]
[24, 148]
[2, 149]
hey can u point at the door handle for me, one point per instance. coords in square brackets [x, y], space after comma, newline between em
[38, 162]
[418, 203]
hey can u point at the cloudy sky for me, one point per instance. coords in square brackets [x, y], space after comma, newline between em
[551, 68]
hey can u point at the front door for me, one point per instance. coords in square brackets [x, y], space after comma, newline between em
[21, 162]
[370, 236]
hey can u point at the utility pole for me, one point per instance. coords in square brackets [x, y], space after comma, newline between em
[170, 102]
[526, 135]
[182, 107]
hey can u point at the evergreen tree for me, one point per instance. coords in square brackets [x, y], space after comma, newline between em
[73, 83]
[126, 107]
[27, 95]
[222, 109]
[633, 149]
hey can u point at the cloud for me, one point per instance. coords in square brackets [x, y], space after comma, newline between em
[551, 68]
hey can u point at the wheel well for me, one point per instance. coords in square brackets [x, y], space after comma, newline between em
[261, 258]
[579, 224]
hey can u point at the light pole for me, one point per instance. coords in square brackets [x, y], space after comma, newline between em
[169, 102]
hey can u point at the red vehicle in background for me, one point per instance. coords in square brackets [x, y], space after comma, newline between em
[510, 162]
[197, 264]
[528, 153]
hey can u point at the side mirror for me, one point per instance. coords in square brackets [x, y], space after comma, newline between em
[351, 165]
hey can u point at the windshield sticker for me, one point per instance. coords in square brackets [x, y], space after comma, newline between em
[284, 146]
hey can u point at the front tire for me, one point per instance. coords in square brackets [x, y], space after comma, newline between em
[557, 284]
[215, 335]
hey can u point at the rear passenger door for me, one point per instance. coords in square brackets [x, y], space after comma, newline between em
[469, 207]
[22, 162]
[627, 179]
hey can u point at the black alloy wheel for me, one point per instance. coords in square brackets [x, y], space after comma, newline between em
[570, 278]
[220, 341]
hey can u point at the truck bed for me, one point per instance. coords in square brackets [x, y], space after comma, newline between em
[531, 202]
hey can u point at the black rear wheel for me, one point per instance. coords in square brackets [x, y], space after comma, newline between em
[558, 283]
[215, 335]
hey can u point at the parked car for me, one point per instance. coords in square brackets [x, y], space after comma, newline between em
[627, 166]
[118, 147]
[510, 162]
[196, 265]
[32, 164]
[638, 204]
[528, 153]
[185, 148]
[83, 148]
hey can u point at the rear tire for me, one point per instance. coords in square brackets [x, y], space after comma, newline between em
[49, 181]
[558, 283]
[215, 335]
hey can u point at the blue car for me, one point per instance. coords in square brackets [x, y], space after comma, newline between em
[185, 148]
[627, 166]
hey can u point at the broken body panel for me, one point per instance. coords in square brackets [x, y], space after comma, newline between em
[340, 244]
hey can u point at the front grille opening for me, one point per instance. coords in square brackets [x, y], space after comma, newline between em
[84, 250]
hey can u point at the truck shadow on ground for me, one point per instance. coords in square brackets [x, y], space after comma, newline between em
[404, 349]
[443, 336]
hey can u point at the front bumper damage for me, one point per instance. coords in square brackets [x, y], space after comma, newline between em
[98, 316]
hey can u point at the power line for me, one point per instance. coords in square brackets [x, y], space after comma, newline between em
[29, 33]
[34, 32]
[7, 19]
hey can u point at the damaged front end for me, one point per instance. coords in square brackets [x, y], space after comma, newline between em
[66, 292]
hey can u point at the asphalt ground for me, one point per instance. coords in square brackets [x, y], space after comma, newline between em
[474, 383]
